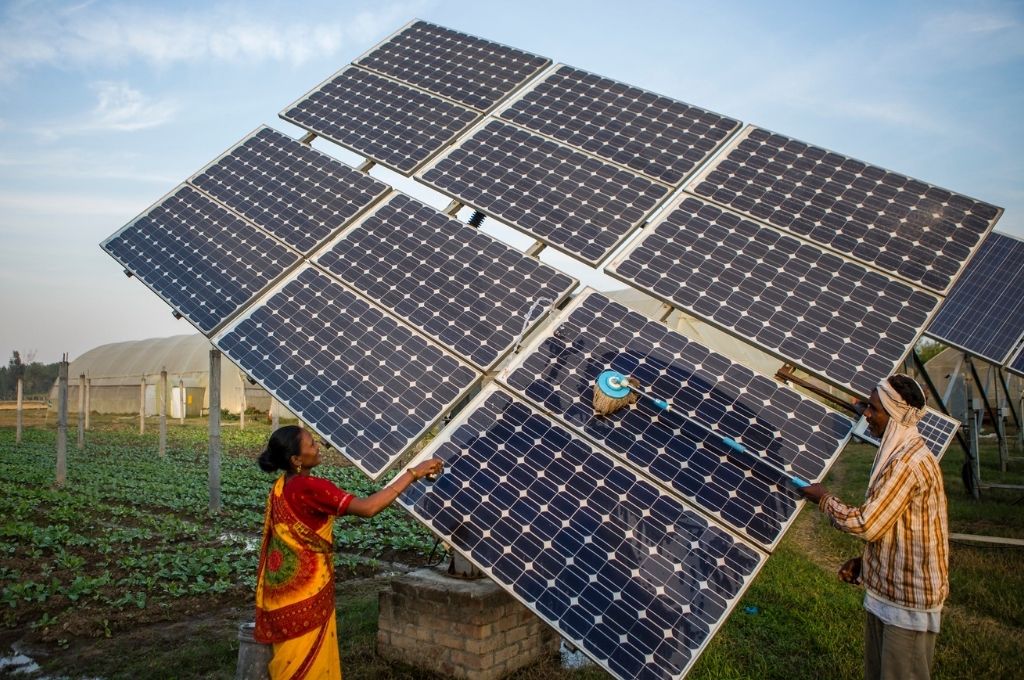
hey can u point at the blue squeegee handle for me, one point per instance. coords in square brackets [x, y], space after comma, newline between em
[740, 448]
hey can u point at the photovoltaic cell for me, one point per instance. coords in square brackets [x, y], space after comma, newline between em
[848, 324]
[298, 194]
[201, 259]
[662, 138]
[391, 123]
[463, 68]
[574, 202]
[895, 223]
[622, 569]
[460, 286]
[984, 313]
[711, 397]
[364, 381]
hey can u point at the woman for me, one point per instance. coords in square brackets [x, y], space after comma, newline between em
[295, 581]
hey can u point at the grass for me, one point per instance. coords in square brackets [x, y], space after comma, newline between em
[796, 618]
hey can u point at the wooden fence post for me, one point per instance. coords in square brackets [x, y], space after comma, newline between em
[162, 403]
[81, 411]
[62, 421]
[88, 394]
[142, 405]
[214, 450]
[21, 410]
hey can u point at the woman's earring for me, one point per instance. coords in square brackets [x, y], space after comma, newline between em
[298, 468]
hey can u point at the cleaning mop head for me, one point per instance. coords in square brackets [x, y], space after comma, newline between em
[614, 391]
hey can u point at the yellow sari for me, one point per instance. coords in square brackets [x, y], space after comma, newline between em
[295, 594]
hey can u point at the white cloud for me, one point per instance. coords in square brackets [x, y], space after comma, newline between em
[48, 33]
[119, 108]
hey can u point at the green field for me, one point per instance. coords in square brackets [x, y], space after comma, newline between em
[123, 571]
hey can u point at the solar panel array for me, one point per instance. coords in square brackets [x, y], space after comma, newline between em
[984, 313]
[583, 206]
[413, 94]
[395, 125]
[201, 259]
[894, 223]
[459, 67]
[617, 565]
[373, 315]
[460, 286]
[711, 397]
[937, 429]
[833, 317]
[661, 138]
[298, 194]
[369, 384]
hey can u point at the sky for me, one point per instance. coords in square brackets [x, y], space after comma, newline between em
[105, 107]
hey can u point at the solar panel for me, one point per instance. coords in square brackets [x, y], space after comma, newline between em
[1016, 362]
[558, 371]
[662, 138]
[202, 260]
[460, 286]
[363, 380]
[393, 124]
[937, 429]
[895, 223]
[460, 67]
[298, 194]
[846, 323]
[583, 206]
[984, 313]
[620, 568]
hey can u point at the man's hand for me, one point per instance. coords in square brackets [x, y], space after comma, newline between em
[850, 572]
[814, 492]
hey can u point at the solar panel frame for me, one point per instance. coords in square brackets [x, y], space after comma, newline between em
[548, 554]
[847, 323]
[644, 136]
[1016, 362]
[267, 250]
[465, 289]
[482, 97]
[373, 382]
[222, 180]
[984, 312]
[443, 121]
[557, 372]
[574, 202]
[836, 201]
[936, 428]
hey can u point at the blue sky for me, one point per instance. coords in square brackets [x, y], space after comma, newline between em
[106, 106]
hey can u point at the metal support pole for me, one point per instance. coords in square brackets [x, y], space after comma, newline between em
[181, 401]
[241, 401]
[973, 463]
[214, 450]
[142, 405]
[62, 421]
[81, 411]
[984, 397]
[1013, 410]
[88, 407]
[162, 403]
[1000, 424]
[21, 410]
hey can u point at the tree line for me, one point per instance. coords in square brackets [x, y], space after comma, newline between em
[37, 377]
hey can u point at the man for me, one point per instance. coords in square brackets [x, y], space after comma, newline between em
[904, 567]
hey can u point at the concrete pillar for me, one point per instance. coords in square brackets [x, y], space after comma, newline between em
[275, 414]
[62, 422]
[162, 403]
[21, 410]
[81, 411]
[142, 406]
[214, 449]
[182, 401]
[241, 401]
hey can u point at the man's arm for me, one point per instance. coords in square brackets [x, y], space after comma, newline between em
[881, 510]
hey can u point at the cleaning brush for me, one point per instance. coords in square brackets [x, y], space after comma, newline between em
[613, 391]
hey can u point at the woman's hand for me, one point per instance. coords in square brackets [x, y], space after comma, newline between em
[428, 468]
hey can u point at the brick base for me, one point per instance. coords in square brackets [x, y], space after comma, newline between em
[468, 629]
